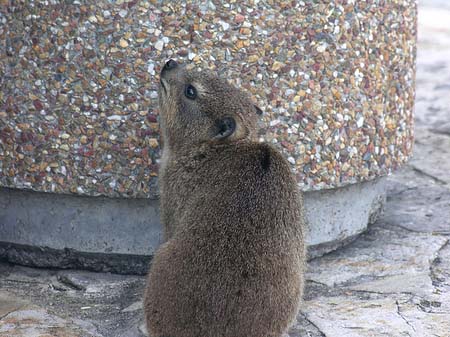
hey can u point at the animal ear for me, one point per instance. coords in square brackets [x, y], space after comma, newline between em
[258, 110]
[225, 127]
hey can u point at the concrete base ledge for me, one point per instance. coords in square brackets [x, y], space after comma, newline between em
[45, 257]
[337, 216]
[120, 235]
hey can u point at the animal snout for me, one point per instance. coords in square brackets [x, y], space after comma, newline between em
[169, 65]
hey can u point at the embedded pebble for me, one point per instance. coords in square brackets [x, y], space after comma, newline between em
[159, 45]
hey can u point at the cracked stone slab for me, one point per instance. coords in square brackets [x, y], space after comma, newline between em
[432, 155]
[9, 304]
[352, 316]
[21, 318]
[432, 104]
[377, 255]
[405, 179]
[433, 66]
[440, 275]
[304, 328]
[424, 323]
[93, 286]
[374, 315]
[419, 283]
[432, 101]
[93, 303]
[441, 267]
[424, 208]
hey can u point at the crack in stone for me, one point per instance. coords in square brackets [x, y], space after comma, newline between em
[70, 283]
[423, 309]
[10, 312]
[421, 172]
[385, 224]
[391, 194]
[6, 315]
[390, 225]
[318, 283]
[442, 233]
[440, 132]
[314, 325]
[345, 289]
[385, 294]
[23, 282]
[435, 280]
[403, 317]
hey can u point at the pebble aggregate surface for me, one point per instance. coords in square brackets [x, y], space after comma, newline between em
[78, 81]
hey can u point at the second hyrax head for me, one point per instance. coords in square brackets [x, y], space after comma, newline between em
[197, 107]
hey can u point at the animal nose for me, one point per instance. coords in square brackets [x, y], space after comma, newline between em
[171, 64]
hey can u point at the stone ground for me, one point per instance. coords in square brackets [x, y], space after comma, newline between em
[392, 281]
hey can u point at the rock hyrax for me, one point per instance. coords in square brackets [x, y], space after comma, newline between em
[234, 263]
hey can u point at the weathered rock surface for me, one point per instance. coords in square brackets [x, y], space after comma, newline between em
[21, 318]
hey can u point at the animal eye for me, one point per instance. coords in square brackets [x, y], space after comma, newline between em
[190, 92]
[225, 127]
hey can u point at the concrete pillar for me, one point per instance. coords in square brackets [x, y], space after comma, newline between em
[79, 141]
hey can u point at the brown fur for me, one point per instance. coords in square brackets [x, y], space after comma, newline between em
[234, 263]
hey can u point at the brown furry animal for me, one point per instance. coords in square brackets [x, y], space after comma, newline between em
[234, 263]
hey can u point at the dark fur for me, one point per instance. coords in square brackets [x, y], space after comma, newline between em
[234, 263]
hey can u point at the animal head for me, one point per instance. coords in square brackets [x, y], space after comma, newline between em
[198, 107]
